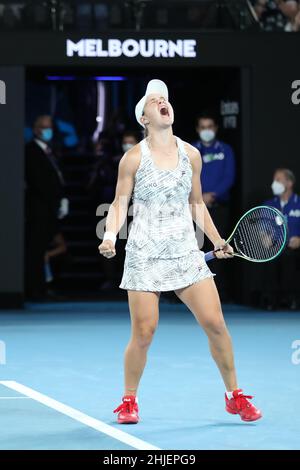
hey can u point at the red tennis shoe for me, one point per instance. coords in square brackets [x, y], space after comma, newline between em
[128, 410]
[240, 404]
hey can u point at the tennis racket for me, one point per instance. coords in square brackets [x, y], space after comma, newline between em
[259, 236]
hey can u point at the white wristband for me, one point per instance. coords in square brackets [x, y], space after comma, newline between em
[110, 236]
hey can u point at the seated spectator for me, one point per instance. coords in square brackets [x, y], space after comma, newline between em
[281, 275]
[274, 15]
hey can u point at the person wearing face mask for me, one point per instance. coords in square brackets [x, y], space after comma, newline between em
[104, 174]
[129, 140]
[44, 205]
[282, 275]
[217, 179]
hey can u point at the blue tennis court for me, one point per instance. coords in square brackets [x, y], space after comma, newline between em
[63, 376]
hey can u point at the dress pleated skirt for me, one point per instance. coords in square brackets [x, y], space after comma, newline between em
[158, 275]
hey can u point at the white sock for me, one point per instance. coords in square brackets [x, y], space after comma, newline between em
[229, 395]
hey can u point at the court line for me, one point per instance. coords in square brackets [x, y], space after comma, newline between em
[14, 398]
[79, 416]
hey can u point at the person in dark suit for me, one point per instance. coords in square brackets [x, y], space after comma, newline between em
[43, 195]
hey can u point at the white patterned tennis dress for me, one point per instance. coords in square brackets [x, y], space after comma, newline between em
[162, 252]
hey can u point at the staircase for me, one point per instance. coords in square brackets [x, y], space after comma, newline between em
[83, 273]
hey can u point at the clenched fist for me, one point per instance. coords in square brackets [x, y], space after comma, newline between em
[222, 250]
[107, 249]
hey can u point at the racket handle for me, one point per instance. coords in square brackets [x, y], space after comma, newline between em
[209, 256]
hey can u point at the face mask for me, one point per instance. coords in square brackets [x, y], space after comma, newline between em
[126, 147]
[207, 135]
[277, 188]
[47, 134]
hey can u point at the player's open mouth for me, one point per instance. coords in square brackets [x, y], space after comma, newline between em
[164, 111]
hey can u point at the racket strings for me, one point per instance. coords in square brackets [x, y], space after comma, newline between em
[261, 234]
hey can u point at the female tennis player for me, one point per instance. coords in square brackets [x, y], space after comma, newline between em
[162, 252]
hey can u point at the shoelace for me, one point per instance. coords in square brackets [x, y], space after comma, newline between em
[125, 407]
[241, 401]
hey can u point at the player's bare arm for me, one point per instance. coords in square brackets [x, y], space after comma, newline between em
[199, 210]
[118, 209]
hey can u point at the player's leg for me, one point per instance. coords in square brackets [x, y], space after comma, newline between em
[203, 301]
[144, 313]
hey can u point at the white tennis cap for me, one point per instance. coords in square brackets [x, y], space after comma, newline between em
[154, 86]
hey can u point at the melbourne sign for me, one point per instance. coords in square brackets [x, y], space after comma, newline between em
[157, 48]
